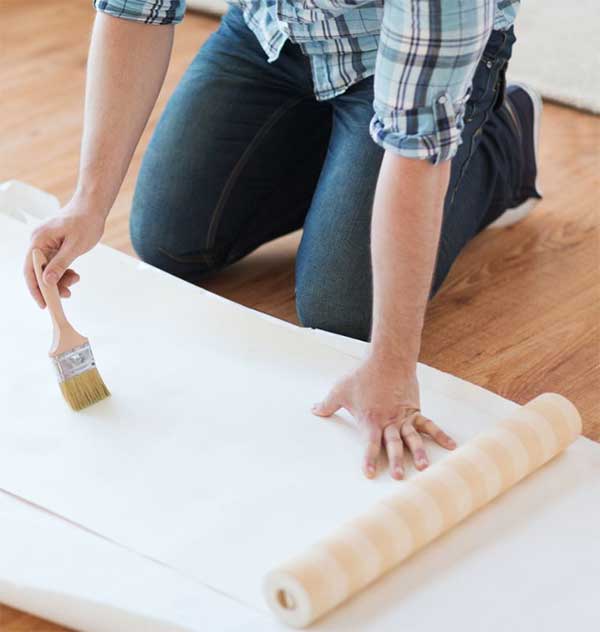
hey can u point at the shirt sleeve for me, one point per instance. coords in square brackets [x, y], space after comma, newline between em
[146, 11]
[428, 53]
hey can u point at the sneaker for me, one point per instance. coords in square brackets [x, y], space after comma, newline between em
[524, 106]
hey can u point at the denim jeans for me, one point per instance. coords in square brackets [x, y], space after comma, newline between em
[243, 153]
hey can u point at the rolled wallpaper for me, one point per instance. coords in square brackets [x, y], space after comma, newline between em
[424, 507]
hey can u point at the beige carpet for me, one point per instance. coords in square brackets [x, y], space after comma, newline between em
[558, 50]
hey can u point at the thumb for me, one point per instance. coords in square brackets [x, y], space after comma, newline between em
[58, 264]
[330, 405]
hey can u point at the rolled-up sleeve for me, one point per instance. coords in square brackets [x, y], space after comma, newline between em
[146, 11]
[427, 56]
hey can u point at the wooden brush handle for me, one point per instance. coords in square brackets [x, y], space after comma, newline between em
[65, 336]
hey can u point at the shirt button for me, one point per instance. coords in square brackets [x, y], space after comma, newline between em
[489, 64]
[442, 100]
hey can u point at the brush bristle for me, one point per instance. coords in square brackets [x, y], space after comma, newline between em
[84, 390]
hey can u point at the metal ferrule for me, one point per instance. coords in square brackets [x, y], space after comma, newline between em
[74, 362]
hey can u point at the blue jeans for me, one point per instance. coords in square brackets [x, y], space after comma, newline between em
[243, 153]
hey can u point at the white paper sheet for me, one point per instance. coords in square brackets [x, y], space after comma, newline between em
[64, 573]
[207, 458]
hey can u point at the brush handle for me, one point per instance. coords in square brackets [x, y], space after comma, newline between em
[65, 336]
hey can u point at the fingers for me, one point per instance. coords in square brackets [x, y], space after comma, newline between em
[394, 449]
[62, 239]
[415, 445]
[59, 253]
[59, 263]
[330, 405]
[69, 278]
[372, 452]
[422, 424]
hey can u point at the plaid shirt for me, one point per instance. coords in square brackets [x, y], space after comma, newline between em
[423, 54]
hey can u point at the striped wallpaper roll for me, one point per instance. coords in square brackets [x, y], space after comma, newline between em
[330, 572]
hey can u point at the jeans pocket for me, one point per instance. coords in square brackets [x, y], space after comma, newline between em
[481, 84]
[488, 87]
[489, 80]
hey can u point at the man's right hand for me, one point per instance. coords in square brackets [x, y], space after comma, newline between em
[62, 239]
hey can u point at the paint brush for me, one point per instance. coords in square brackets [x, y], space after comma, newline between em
[71, 353]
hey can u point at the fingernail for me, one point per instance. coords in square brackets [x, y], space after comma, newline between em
[51, 278]
[314, 408]
[398, 472]
[370, 471]
[420, 459]
[452, 444]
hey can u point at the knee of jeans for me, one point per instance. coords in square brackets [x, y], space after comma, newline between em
[149, 234]
[310, 306]
[143, 235]
[163, 242]
[320, 306]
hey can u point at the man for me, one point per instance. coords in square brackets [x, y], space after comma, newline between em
[268, 132]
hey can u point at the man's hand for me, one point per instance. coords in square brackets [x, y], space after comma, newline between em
[387, 409]
[62, 239]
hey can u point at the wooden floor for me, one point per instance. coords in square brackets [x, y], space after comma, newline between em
[520, 312]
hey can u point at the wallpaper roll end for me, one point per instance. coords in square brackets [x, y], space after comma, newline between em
[558, 409]
[286, 597]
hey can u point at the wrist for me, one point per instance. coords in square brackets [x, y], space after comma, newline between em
[91, 202]
[398, 349]
[402, 364]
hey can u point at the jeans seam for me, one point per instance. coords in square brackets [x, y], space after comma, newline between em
[465, 164]
[463, 168]
[203, 257]
[243, 160]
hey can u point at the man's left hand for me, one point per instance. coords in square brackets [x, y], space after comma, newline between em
[387, 408]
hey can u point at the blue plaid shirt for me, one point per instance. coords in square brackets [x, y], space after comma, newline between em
[423, 54]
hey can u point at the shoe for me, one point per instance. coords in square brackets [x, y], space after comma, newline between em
[524, 106]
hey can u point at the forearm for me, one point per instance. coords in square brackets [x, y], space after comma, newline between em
[405, 232]
[126, 68]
